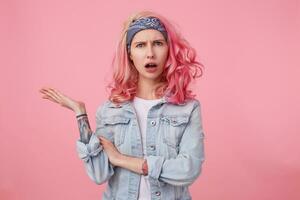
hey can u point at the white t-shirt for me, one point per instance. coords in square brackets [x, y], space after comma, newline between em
[142, 107]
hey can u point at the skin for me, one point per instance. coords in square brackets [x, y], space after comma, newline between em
[147, 46]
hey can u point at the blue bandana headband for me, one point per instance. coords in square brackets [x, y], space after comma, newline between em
[142, 24]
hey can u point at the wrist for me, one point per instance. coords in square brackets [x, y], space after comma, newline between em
[120, 160]
[79, 110]
[145, 168]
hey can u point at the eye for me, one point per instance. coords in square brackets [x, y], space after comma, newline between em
[158, 43]
[139, 45]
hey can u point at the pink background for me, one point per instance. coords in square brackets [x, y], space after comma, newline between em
[249, 93]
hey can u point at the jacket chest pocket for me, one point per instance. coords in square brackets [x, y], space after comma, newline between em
[174, 127]
[117, 126]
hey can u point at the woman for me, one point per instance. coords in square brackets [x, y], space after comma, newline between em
[148, 142]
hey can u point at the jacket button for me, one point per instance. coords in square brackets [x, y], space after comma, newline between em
[157, 193]
[152, 147]
[153, 123]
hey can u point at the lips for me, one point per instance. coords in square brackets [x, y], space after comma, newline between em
[151, 65]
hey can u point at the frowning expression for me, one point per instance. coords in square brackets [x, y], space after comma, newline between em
[149, 52]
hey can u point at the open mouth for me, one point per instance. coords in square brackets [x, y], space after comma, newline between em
[151, 65]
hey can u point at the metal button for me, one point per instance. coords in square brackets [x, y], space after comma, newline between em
[152, 147]
[157, 193]
[174, 121]
[153, 123]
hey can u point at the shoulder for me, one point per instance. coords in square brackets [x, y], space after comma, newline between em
[109, 108]
[188, 105]
[183, 111]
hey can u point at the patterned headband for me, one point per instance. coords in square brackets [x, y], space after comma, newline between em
[142, 24]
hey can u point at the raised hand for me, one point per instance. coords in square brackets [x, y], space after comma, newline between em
[58, 97]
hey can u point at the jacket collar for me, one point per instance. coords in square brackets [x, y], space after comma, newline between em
[129, 103]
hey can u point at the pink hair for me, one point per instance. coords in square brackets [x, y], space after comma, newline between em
[180, 68]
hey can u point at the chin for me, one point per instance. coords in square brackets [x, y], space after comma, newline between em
[152, 76]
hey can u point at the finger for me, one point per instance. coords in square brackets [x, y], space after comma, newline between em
[106, 144]
[54, 96]
[50, 93]
[50, 98]
[60, 95]
[62, 98]
[54, 92]
[43, 91]
[103, 142]
[104, 139]
[47, 94]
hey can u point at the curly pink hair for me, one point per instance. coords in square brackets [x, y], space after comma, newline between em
[180, 68]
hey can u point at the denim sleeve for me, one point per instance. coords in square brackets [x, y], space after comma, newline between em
[186, 167]
[95, 160]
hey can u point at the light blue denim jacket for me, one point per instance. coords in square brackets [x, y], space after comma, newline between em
[175, 149]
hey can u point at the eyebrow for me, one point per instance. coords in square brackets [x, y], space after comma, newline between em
[158, 40]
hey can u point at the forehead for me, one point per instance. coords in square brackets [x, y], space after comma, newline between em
[148, 34]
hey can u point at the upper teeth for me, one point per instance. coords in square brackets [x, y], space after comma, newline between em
[151, 65]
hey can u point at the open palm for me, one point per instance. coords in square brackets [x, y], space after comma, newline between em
[58, 97]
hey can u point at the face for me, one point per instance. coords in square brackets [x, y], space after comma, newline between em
[149, 52]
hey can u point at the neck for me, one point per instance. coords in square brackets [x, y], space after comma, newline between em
[146, 89]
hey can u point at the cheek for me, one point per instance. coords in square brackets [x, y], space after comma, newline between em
[137, 57]
[165, 50]
[165, 55]
[138, 62]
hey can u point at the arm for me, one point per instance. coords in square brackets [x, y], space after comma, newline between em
[134, 164]
[91, 151]
[88, 146]
[137, 165]
[182, 170]
[84, 129]
[186, 167]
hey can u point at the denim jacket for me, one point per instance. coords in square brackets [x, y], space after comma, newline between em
[175, 149]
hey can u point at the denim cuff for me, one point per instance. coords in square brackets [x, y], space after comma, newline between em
[86, 151]
[155, 164]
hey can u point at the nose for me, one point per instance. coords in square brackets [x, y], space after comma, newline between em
[150, 53]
